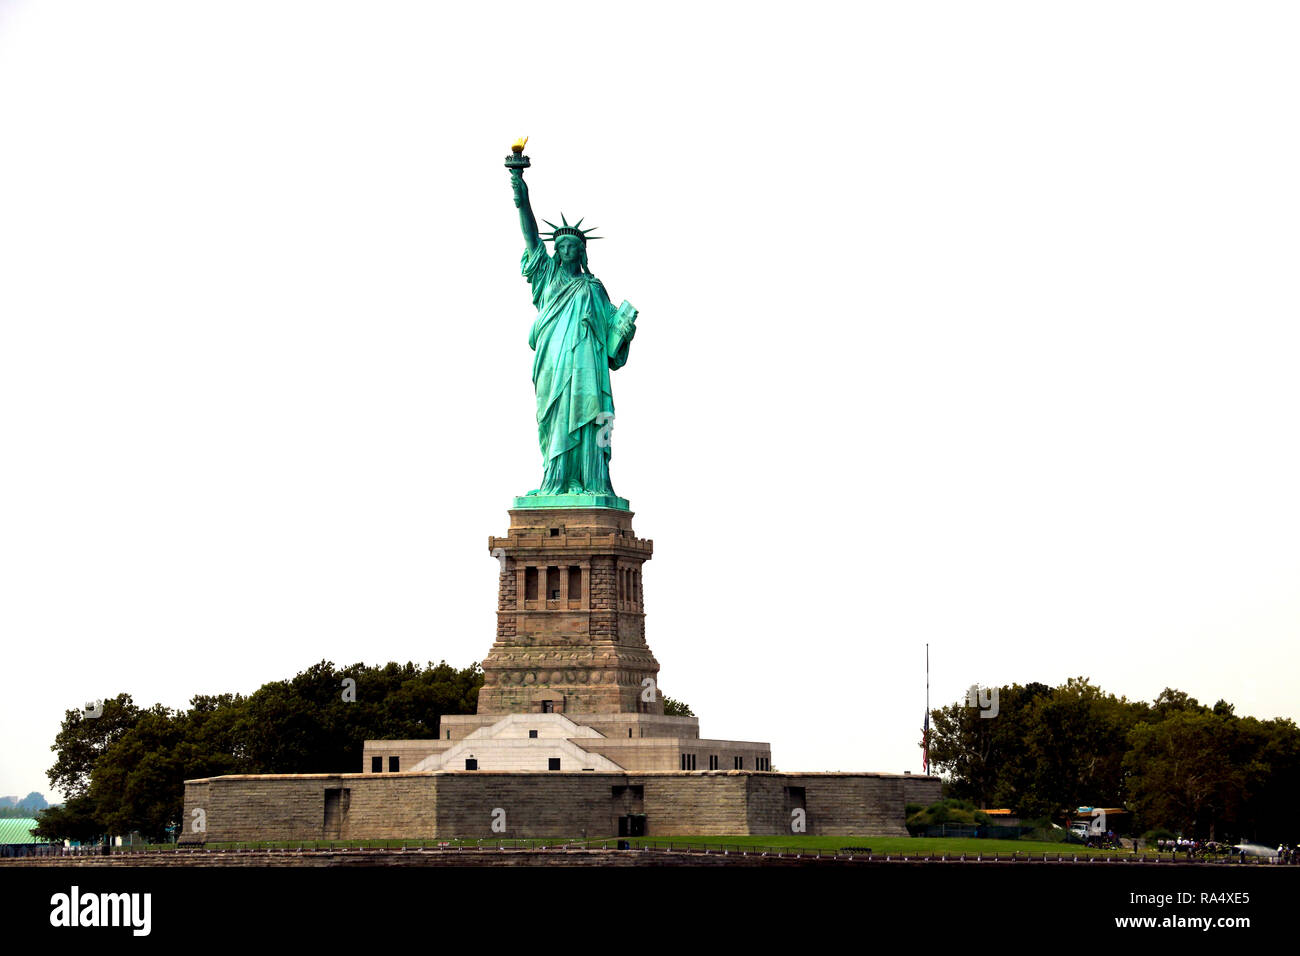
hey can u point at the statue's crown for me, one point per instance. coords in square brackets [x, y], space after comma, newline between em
[567, 230]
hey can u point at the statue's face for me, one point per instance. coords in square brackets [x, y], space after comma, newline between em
[568, 249]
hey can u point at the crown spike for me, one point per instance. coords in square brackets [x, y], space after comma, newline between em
[559, 232]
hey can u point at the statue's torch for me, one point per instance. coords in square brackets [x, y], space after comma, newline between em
[517, 162]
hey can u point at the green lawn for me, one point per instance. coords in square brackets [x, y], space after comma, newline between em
[880, 846]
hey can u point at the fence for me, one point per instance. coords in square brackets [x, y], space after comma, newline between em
[650, 846]
[970, 831]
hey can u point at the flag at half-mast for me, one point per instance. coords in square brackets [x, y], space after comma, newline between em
[925, 743]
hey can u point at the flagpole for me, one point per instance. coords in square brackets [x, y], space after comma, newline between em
[927, 708]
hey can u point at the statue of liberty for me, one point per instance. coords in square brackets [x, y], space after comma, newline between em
[578, 337]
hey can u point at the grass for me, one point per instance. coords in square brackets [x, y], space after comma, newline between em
[880, 846]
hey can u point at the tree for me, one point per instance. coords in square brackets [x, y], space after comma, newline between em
[1186, 771]
[81, 740]
[76, 819]
[1171, 701]
[310, 725]
[1268, 812]
[1045, 750]
[962, 745]
[138, 783]
[675, 708]
[1076, 739]
[1176, 763]
[985, 757]
[126, 769]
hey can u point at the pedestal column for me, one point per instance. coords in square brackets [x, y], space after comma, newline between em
[585, 653]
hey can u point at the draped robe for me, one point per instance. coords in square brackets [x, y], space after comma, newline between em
[571, 337]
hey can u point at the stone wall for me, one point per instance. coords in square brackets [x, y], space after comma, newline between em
[461, 804]
[844, 805]
[704, 804]
[923, 790]
[527, 804]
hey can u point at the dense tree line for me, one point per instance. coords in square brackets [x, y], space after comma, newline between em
[1177, 764]
[19, 813]
[22, 808]
[125, 770]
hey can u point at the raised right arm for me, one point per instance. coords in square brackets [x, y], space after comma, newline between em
[527, 221]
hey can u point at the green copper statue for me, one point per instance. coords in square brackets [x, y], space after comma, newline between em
[578, 337]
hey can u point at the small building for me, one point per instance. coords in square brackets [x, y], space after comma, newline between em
[1107, 818]
[17, 839]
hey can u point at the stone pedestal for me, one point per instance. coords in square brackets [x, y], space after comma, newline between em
[570, 617]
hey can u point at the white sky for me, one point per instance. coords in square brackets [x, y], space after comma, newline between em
[972, 324]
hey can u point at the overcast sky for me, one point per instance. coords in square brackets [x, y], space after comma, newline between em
[967, 324]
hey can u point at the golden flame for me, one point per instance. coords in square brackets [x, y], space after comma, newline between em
[518, 145]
